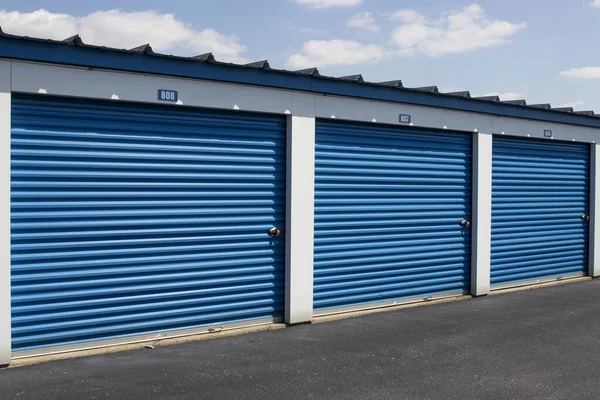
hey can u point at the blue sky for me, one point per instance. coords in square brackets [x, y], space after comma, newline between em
[542, 50]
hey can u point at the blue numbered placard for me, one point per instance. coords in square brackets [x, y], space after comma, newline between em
[547, 133]
[168, 95]
[404, 119]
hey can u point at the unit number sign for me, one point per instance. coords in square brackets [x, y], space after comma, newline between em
[167, 95]
[404, 119]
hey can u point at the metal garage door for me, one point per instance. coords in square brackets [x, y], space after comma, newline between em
[540, 195]
[388, 212]
[131, 219]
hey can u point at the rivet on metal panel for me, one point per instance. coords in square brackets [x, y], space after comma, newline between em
[504, 133]
[287, 112]
[179, 103]
[114, 97]
[445, 127]
[528, 135]
[374, 120]
[333, 116]
[475, 130]
[42, 91]
[236, 107]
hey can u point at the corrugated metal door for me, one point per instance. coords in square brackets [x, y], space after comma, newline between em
[540, 193]
[388, 212]
[131, 219]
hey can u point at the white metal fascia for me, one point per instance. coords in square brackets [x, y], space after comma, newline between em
[50, 79]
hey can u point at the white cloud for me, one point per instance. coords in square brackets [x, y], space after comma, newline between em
[407, 17]
[363, 20]
[582, 73]
[329, 3]
[457, 32]
[322, 53]
[572, 104]
[115, 28]
[507, 95]
[596, 3]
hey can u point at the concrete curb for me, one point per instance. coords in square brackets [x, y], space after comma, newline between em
[151, 344]
[147, 344]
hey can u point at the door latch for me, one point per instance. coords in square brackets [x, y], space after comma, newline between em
[275, 232]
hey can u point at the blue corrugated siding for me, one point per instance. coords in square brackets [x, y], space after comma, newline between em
[130, 219]
[388, 208]
[540, 190]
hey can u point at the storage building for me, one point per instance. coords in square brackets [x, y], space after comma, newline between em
[149, 196]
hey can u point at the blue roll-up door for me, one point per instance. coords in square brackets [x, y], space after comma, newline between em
[388, 211]
[540, 203]
[130, 219]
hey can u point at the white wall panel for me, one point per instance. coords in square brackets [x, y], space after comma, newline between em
[482, 213]
[5, 308]
[300, 219]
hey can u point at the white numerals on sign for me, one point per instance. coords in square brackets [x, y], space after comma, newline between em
[404, 119]
[167, 95]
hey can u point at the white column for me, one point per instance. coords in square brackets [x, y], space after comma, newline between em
[594, 263]
[5, 319]
[482, 214]
[300, 211]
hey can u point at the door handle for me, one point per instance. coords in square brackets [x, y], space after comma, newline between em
[585, 218]
[276, 232]
[465, 224]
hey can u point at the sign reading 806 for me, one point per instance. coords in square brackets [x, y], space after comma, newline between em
[167, 95]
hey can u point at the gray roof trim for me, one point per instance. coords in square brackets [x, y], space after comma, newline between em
[92, 56]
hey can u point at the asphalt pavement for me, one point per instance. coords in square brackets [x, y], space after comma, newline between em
[535, 344]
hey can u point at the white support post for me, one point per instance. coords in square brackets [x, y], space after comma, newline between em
[5, 308]
[482, 214]
[300, 219]
[594, 234]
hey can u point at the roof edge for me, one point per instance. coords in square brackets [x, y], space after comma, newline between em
[146, 61]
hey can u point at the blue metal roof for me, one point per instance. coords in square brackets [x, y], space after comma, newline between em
[143, 59]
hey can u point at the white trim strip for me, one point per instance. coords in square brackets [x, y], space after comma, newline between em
[5, 307]
[50, 79]
[481, 234]
[594, 234]
[300, 218]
